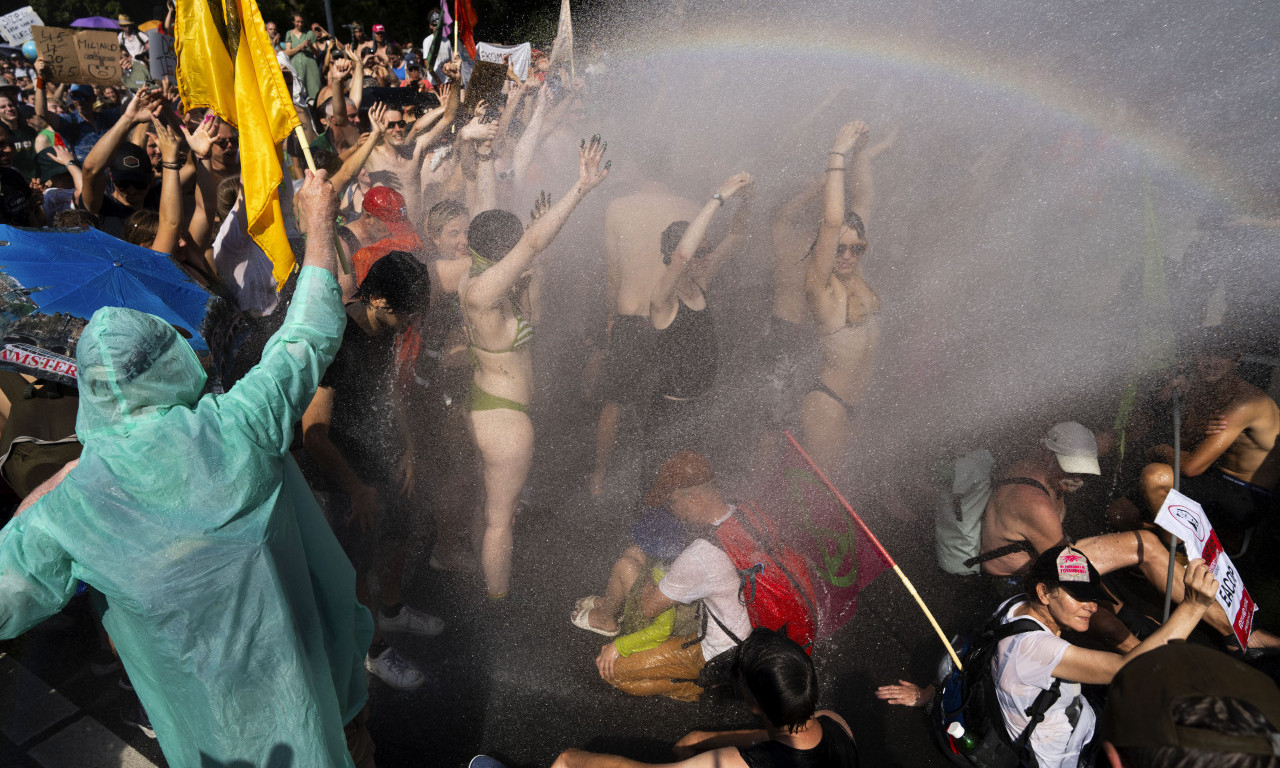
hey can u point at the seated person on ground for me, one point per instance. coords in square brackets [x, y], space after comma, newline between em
[777, 679]
[702, 572]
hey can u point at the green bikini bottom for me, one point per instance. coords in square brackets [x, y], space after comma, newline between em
[479, 400]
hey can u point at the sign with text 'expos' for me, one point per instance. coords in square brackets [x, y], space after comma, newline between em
[1185, 519]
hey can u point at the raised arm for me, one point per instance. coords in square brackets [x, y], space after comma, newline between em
[488, 288]
[739, 230]
[42, 99]
[532, 136]
[200, 227]
[662, 304]
[356, 160]
[1084, 665]
[138, 111]
[272, 397]
[822, 265]
[170, 228]
[442, 116]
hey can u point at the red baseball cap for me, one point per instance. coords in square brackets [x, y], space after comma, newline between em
[379, 28]
[385, 204]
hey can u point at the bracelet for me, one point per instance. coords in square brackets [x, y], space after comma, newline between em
[174, 166]
[484, 157]
[841, 169]
[836, 153]
[39, 82]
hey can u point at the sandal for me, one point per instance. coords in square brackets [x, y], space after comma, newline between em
[582, 617]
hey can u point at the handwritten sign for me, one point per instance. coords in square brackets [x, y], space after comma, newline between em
[164, 62]
[88, 56]
[1185, 519]
[16, 26]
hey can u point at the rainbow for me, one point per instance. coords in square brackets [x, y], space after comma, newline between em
[940, 62]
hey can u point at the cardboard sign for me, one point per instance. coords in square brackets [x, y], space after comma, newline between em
[86, 56]
[1185, 519]
[16, 26]
[485, 85]
[164, 61]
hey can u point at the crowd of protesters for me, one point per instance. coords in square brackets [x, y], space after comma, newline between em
[408, 383]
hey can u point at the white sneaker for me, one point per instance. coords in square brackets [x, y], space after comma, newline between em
[409, 620]
[394, 670]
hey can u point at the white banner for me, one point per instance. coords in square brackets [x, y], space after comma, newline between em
[16, 26]
[1184, 518]
[520, 56]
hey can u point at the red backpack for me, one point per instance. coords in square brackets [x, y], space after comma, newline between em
[776, 587]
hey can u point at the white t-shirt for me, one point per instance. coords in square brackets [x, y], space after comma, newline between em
[704, 572]
[1023, 667]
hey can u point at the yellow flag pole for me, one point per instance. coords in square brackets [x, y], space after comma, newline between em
[456, 24]
[343, 261]
[905, 581]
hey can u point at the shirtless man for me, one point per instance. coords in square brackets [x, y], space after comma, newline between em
[1024, 518]
[403, 142]
[1233, 470]
[843, 306]
[633, 228]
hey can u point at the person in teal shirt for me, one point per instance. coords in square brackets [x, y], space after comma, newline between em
[228, 599]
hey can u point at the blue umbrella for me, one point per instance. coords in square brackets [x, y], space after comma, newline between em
[52, 281]
[95, 22]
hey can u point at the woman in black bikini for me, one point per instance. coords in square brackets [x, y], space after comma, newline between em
[499, 335]
[687, 348]
[844, 308]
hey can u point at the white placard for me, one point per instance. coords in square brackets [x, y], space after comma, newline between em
[16, 26]
[520, 55]
[1185, 518]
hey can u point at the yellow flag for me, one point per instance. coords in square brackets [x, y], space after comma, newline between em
[226, 63]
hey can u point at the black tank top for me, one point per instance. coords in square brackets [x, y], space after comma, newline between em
[836, 750]
[687, 352]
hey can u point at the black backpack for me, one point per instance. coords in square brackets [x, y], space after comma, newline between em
[969, 698]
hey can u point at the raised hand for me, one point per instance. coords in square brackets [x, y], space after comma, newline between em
[377, 121]
[340, 69]
[590, 171]
[1200, 586]
[62, 155]
[140, 106]
[453, 68]
[540, 206]
[478, 130]
[735, 184]
[852, 137]
[167, 140]
[201, 141]
[316, 200]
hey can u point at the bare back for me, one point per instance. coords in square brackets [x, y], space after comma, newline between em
[633, 232]
[1021, 513]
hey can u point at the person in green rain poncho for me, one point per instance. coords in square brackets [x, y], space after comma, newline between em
[228, 599]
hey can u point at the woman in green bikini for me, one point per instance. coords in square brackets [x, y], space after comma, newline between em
[494, 308]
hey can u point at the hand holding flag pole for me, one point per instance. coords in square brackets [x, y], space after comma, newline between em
[343, 262]
[955, 659]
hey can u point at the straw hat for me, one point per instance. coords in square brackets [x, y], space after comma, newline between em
[124, 21]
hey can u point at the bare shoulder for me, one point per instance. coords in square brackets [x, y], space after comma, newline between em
[834, 716]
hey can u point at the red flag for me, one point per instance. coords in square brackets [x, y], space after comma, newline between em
[811, 520]
[466, 18]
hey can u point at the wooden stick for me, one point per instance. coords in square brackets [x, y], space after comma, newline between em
[905, 581]
[343, 262]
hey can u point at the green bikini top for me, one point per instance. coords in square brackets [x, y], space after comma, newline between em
[524, 328]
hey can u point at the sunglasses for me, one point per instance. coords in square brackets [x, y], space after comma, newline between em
[398, 124]
[857, 249]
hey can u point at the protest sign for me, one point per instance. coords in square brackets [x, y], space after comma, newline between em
[16, 26]
[164, 62]
[1185, 519]
[521, 55]
[486, 85]
[86, 56]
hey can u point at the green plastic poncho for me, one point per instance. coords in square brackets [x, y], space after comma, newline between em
[227, 596]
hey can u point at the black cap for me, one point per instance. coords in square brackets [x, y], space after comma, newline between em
[131, 164]
[1070, 570]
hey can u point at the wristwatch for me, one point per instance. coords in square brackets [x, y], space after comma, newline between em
[719, 198]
